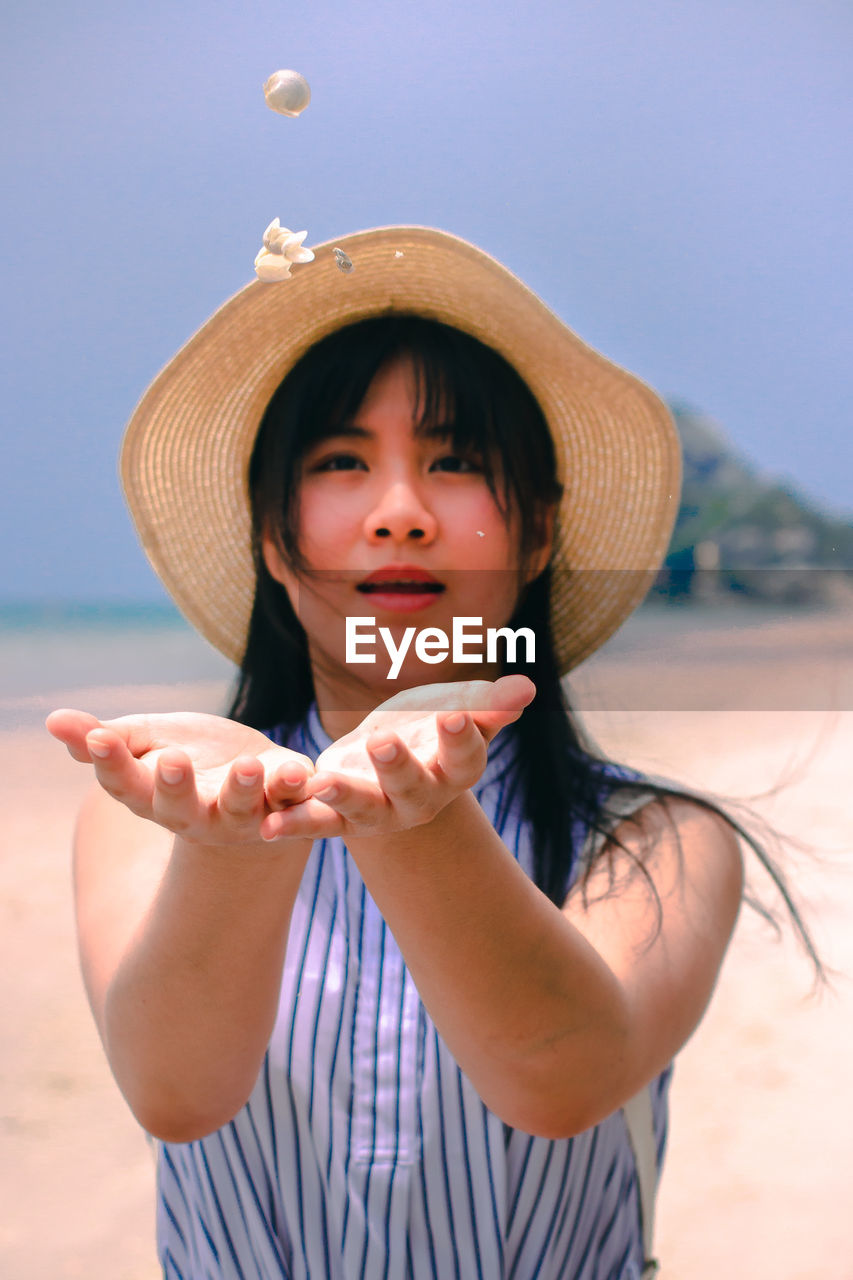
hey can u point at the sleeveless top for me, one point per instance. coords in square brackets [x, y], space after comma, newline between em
[364, 1151]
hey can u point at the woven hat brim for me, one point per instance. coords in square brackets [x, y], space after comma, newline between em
[185, 457]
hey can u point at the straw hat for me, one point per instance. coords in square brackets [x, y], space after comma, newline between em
[185, 458]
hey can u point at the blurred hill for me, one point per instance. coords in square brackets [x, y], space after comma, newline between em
[739, 531]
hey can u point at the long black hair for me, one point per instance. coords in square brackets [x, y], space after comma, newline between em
[564, 784]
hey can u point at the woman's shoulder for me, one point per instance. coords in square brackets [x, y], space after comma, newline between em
[640, 813]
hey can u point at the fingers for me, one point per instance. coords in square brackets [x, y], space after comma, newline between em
[462, 751]
[234, 812]
[118, 772]
[498, 704]
[70, 728]
[241, 803]
[410, 789]
[405, 791]
[311, 819]
[511, 694]
[166, 791]
[137, 733]
[166, 795]
[285, 784]
[248, 790]
[175, 801]
[339, 802]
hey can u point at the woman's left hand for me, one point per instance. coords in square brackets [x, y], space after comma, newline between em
[406, 761]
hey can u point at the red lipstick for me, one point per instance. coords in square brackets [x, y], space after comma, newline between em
[401, 588]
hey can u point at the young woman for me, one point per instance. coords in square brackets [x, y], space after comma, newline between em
[381, 958]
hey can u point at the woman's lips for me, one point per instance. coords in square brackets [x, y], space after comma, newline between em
[401, 589]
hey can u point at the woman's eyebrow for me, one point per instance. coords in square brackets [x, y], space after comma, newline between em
[350, 429]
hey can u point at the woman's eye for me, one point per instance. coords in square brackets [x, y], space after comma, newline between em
[340, 462]
[454, 462]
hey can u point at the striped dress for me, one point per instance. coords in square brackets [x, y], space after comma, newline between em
[364, 1152]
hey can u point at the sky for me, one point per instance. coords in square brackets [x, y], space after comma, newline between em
[673, 178]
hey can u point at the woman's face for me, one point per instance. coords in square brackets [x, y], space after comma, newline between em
[395, 526]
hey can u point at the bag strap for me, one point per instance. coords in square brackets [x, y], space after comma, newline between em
[640, 1122]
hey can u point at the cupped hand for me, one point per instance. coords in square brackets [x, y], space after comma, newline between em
[208, 779]
[406, 761]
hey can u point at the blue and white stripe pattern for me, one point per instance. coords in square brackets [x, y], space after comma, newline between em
[364, 1152]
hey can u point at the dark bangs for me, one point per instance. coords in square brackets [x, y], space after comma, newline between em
[462, 385]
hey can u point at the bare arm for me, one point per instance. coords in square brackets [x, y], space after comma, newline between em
[182, 947]
[182, 940]
[557, 1016]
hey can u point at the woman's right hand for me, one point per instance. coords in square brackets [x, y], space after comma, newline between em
[203, 777]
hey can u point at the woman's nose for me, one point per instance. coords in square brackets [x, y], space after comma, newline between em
[400, 516]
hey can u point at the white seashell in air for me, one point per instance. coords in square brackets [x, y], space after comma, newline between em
[287, 92]
[281, 248]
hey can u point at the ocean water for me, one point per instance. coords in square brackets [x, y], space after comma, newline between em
[49, 653]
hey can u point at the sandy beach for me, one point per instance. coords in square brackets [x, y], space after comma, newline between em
[760, 1159]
